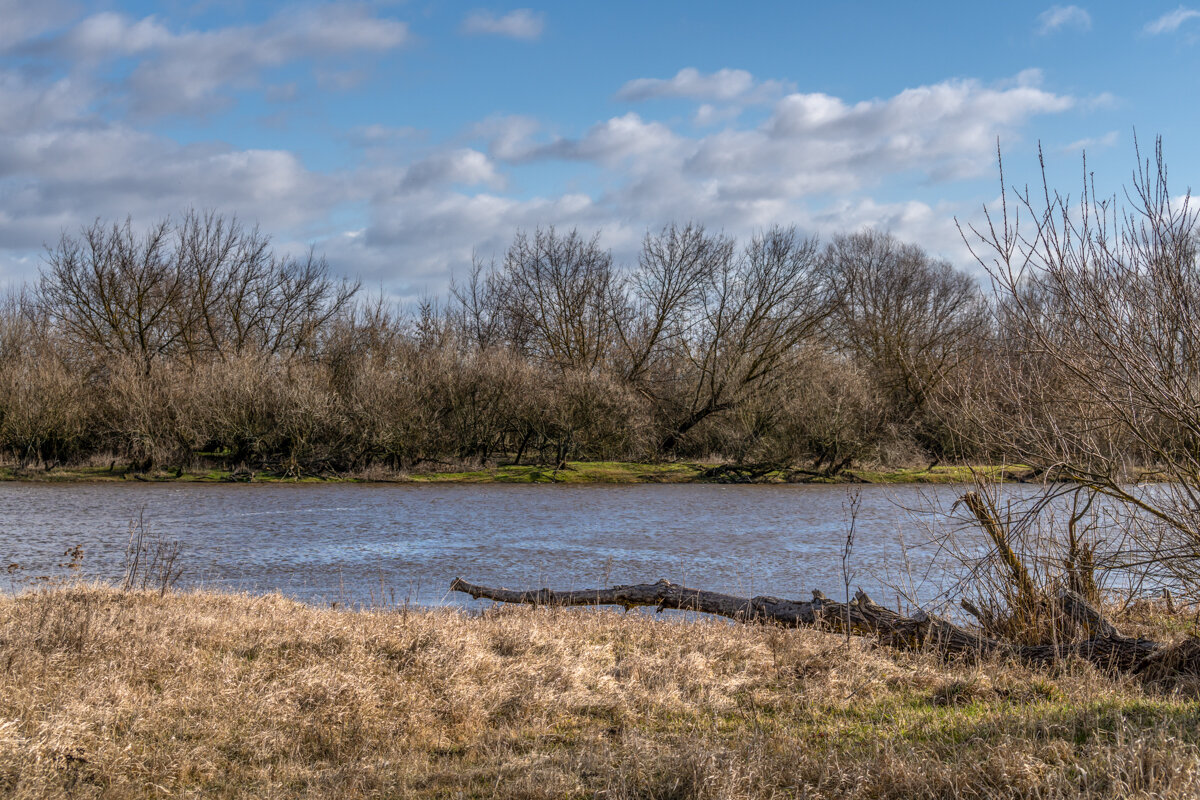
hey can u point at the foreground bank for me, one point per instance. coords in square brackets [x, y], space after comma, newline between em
[136, 695]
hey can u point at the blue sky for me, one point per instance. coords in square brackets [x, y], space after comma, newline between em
[401, 137]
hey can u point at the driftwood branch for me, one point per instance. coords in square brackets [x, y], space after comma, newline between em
[1106, 647]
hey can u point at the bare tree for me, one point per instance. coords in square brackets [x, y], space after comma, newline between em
[908, 319]
[554, 294]
[114, 290]
[675, 269]
[200, 287]
[754, 313]
[477, 304]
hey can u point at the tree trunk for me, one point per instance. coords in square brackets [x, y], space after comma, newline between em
[521, 448]
[1105, 647]
[695, 418]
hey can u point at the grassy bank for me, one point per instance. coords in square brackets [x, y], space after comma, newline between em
[110, 695]
[574, 472]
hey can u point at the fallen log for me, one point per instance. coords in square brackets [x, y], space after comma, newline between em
[862, 616]
[1105, 646]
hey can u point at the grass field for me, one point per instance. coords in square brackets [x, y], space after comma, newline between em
[105, 694]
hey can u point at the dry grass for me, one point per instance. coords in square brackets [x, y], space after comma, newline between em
[104, 694]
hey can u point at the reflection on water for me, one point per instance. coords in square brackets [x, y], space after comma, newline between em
[351, 542]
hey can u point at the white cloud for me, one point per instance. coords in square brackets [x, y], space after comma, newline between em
[945, 130]
[611, 142]
[1057, 17]
[813, 162]
[56, 179]
[510, 138]
[62, 166]
[186, 72]
[1092, 143]
[28, 105]
[725, 85]
[463, 166]
[1101, 102]
[519, 24]
[1170, 22]
[707, 114]
[108, 34]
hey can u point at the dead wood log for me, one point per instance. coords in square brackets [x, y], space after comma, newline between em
[1106, 648]
[985, 618]
[864, 616]
[1084, 614]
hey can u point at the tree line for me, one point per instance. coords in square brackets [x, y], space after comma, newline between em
[196, 341]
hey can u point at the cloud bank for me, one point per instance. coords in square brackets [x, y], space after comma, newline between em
[75, 145]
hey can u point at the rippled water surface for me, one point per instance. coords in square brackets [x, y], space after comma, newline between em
[358, 543]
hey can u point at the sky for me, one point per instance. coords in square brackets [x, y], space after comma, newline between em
[401, 138]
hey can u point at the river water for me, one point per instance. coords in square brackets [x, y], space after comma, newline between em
[363, 544]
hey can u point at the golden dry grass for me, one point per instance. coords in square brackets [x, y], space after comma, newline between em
[104, 694]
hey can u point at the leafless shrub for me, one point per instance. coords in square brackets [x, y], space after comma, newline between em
[850, 506]
[824, 414]
[1102, 299]
[151, 418]
[1011, 551]
[151, 560]
[44, 409]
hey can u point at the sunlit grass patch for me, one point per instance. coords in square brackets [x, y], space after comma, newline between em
[945, 473]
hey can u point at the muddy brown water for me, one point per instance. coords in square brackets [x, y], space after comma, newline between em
[363, 544]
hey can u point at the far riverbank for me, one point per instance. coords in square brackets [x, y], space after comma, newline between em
[573, 472]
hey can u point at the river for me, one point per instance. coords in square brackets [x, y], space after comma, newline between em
[367, 544]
